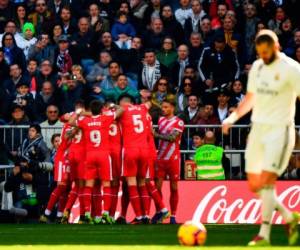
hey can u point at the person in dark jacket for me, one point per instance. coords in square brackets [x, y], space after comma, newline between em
[46, 73]
[218, 65]
[122, 27]
[12, 53]
[195, 47]
[152, 38]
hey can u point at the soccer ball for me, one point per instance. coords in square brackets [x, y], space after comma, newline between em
[192, 234]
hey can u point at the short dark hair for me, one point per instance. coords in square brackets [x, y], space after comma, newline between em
[111, 62]
[53, 137]
[266, 36]
[96, 107]
[128, 97]
[170, 101]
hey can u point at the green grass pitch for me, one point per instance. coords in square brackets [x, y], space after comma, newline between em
[126, 237]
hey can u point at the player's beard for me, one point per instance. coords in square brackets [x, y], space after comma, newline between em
[271, 59]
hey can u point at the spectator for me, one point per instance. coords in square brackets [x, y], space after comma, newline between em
[197, 141]
[42, 50]
[187, 87]
[12, 53]
[293, 44]
[286, 33]
[81, 45]
[46, 73]
[57, 31]
[171, 26]
[183, 13]
[275, 23]
[207, 32]
[266, 10]
[43, 99]
[153, 36]
[15, 136]
[297, 54]
[7, 12]
[193, 22]
[21, 17]
[100, 69]
[51, 125]
[223, 104]
[122, 31]
[108, 45]
[208, 116]
[55, 7]
[16, 76]
[195, 47]
[28, 38]
[121, 88]
[151, 71]
[41, 18]
[67, 22]
[138, 8]
[179, 66]
[11, 27]
[191, 113]
[32, 69]
[64, 60]
[98, 23]
[152, 11]
[210, 159]
[55, 141]
[237, 93]
[217, 21]
[161, 91]
[167, 56]
[218, 65]
[4, 68]
[24, 99]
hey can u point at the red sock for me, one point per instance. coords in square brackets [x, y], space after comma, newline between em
[135, 200]
[106, 199]
[87, 196]
[124, 200]
[114, 201]
[81, 200]
[72, 198]
[174, 201]
[62, 204]
[158, 201]
[55, 195]
[146, 201]
[96, 201]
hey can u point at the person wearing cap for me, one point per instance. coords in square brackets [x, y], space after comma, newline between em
[218, 65]
[63, 59]
[28, 32]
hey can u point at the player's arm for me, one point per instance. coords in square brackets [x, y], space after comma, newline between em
[74, 117]
[168, 137]
[244, 107]
[118, 110]
[71, 133]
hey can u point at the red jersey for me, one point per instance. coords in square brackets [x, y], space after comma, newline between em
[115, 139]
[64, 142]
[95, 131]
[169, 150]
[134, 126]
[151, 142]
[77, 142]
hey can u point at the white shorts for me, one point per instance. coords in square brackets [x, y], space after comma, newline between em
[269, 148]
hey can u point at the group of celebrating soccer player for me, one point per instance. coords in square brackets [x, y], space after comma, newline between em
[107, 145]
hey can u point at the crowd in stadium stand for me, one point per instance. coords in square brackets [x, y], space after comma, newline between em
[56, 53]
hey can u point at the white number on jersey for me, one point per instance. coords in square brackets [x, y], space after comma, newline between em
[95, 137]
[113, 130]
[77, 137]
[138, 124]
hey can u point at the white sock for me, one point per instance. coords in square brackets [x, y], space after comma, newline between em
[59, 214]
[268, 206]
[47, 212]
[164, 210]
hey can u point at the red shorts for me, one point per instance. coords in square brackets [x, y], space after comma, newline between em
[116, 160]
[134, 162]
[61, 170]
[170, 168]
[77, 167]
[98, 166]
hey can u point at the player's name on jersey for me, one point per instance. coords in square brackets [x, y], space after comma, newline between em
[91, 124]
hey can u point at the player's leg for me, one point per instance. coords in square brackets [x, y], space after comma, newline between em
[115, 185]
[173, 170]
[124, 203]
[73, 195]
[145, 200]
[97, 202]
[81, 197]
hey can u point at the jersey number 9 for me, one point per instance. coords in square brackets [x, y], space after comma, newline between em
[95, 137]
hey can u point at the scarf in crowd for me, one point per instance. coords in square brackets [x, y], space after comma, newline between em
[150, 79]
[195, 22]
[8, 56]
[29, 147]
[64, 62]
[182, 64]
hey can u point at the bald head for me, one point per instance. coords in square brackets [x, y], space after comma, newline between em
[209, 137]
[183, 52]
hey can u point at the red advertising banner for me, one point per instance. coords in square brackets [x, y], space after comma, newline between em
[223, 201]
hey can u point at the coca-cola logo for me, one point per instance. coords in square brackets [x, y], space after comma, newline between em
[220, 205]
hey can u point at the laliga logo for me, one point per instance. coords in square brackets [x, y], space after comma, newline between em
[215, 207]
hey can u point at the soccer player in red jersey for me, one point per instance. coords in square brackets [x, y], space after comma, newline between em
[61, 176]
[162, 211]
[76, 158]
[95, 130]
[135, 153]
[170, 129]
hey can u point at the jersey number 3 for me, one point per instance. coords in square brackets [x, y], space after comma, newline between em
[138, 124]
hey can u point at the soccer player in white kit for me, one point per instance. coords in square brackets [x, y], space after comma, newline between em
[273, 86]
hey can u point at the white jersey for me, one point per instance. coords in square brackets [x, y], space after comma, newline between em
[275, 87]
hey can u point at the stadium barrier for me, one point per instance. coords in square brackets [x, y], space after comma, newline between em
[234, 144]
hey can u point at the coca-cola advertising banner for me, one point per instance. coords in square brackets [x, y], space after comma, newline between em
[225, 201]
